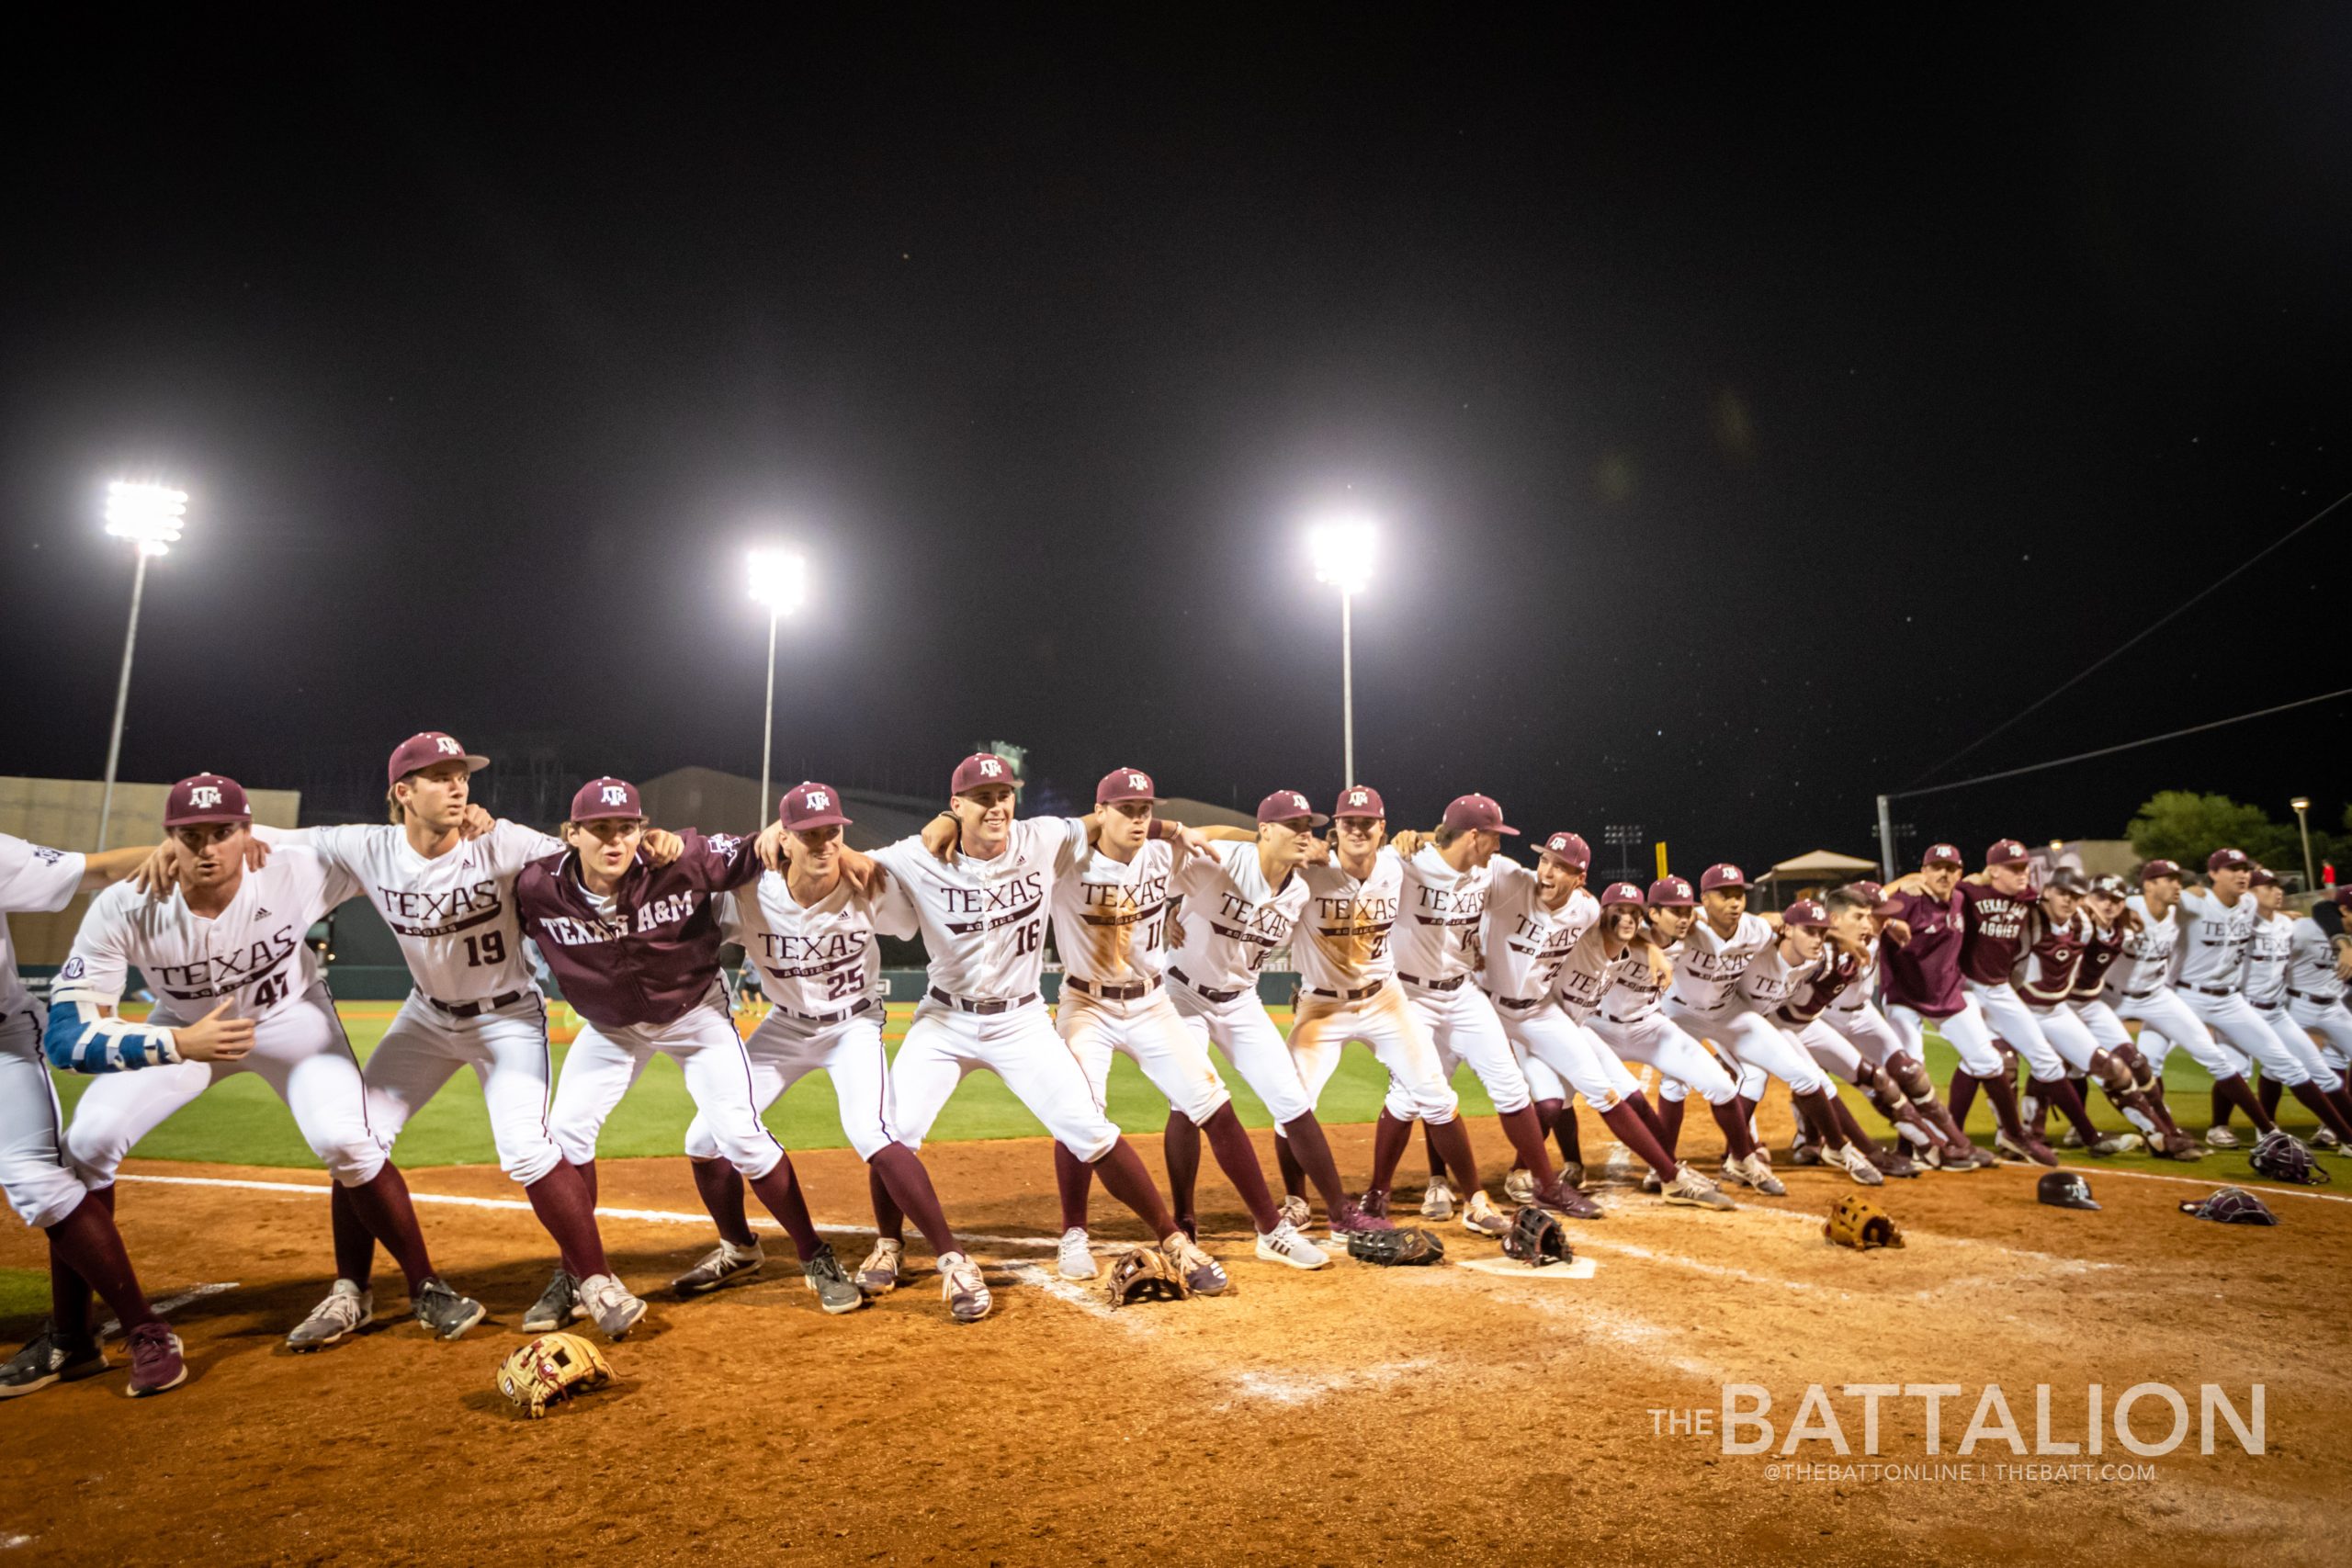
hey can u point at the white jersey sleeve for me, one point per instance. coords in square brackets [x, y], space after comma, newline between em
[2310, 963]
[34, 879]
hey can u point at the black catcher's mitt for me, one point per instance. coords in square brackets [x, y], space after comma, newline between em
[1536, 1238]
[2283, 1157]
[2231, 1206]
[1403, 1248]
[1144, 1274]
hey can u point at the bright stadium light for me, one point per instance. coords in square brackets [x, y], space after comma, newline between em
[1343, 551]
[150, 516]
[779, 579]
[2302, 805]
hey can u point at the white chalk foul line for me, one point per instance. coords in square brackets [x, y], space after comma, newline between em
[113, 1325]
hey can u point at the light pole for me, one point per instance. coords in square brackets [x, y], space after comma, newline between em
[150, 516]
[2302, 805]
[780, 582]
[1343, 554]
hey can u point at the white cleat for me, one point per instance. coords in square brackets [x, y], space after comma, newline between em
[1519, 1185]
[1295, 1210]
[884, 1268]
[1695, 1191]
[962, 1288]
[2221, 1138]
[1437, 1200]
[1757, 1172]
[609, 1301]
[1073, 1261]
[1284, 1244]
[1481, 1217]
[1858, 1166]
[347, 1311]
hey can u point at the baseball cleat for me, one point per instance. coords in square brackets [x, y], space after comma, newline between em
[2221, 1138]
[1894, 1162]
[1353, 1215]
[1803, 1153]
[2070, 1139]
[2111, 1144]
[836, 1292]
[725, 1264]
[2029, 1153]
[1757, 1172]
[1437, 1200]
[2325, 1138]
[1201, 1272]
[1569, 1202]
[157, 1365]
[1983, 1159]
[1572, 1171]
[49, 1358]
[1295, 1210]
[1694, 1190]
[1858, 1166]
[1650, 1183]
[962, 1288]
[558, 1305]
[2182, 1147]
[1073, 1261]
[885, 1267]
[443, 1313]
[1284, 1244]
[1481, 1218]
[1519, 1185]
[607, 1301]
[348, 1309]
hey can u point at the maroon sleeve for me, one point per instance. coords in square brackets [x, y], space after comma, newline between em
[722, 863]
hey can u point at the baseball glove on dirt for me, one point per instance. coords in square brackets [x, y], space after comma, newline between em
[1413, 1248]
[1144, 1274]
[551, 1369]
[1536, 1238]
[2283, 1157]
[1856, 1222]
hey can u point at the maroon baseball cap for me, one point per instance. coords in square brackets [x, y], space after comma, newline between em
[1869, 889]
[2264, 877]
[1476, 814]
[1621, 893]
[1804, 912]
[600, 799]
[981, 767]
[206, 797]
[421, 751]
[1288, 805]
[2343, 897]
[1941, 854]
[1358, 800]
[2227, 860]
[1124, 783]
[811, 805]
[2156, 869]
[1721, 875]
[2007, 852]
[1572, 850]
[1669, 891]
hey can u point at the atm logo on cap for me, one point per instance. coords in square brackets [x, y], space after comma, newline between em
[1357, 798]
[447, 747]
[818, 800]
[990, 767]
[204, 796]
[615, 794]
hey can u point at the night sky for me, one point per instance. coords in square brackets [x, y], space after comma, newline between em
[1755, 416]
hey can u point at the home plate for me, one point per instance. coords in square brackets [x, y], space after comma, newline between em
[1511, 1268]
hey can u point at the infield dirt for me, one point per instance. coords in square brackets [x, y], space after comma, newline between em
[1351, 1415]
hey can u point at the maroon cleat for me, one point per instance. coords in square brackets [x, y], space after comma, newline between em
[156, 1364]
[1894, 1162]
[1369, 1212]
[1568, 1201]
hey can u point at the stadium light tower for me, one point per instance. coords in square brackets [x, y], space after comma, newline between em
[1343, 551]
[151, 517]
[2302, 805]
[780, 581]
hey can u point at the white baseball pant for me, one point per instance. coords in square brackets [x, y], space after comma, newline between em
[301, 1052]
[2019, 1024]
[2292, 1037]
[1866, 1029]
[1241, 1029]
[2330, 1023]
[1383, 1024]
[1571, 1055]
[604, 1063]
[2069, 1036]
[1965, 1032]
[509, 1052]
[1683, 1063]
[1462, 1025]
[1020, 1046]
[2235, 1019]
[2099, 1019]
[783, 1050]
[1148, 1032]
[1835, 1053]
[2165, 1021]
[1762, 1049]
[1541, 1081]
[42, 1183]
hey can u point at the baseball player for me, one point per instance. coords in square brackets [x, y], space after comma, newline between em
[2264, 984]
[1626, 1003]
[45, 1188]
[808, 937]
[2319, 960]
[1535, 927]
[1110, 923]
[1346, 974]
[1570, 912]
[635, 947]
[230, 938]
[1235, 904]
[982, 910]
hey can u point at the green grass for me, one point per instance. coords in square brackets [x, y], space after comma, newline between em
[240, 1122]
[24, 1293]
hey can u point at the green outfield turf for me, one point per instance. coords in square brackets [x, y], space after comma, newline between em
[240, 1121]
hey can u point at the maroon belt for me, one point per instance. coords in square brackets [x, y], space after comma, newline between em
[1203, 992]
[1452, 985]
[1111, 993]
[981, 1004]
[1347, 996]
[475, 1009]
[1521, 1003]
[866, 1006]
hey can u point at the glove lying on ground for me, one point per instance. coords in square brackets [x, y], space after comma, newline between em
[1391, 1249]
[551, 1369]
[1144, 1274]
[1537, 1238]
[1856, 1222]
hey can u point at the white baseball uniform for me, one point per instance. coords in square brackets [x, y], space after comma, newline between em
[1435, 941]
[1232, 920]
[2264, 984]
[1630, 1018]
[1109, 924]
[43, 1184]
[820, 970]
[2316, 992]
[983, 924]
[1348, 989]
[252, 955]
[1857, 1019]
[2045, 984]
[1706, 1003]
[1526, 947]
[2207, 968]
[475, 1003]
[2140, 988]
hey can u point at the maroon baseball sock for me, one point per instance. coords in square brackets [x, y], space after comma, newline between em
[1655, 1121]
[587, 1169]
[1235, 1156]
[1073, 1177]
[1453, 1143]
[1962, 1095]
[2267, 1092]
[89, 1244]
[2313, 1096]
[1843, 1115]
[1306, 1155]
[2002, 1093]
[718, 1183]
[1667, 1114]
[1738, 1142]
[779, 1192]
[1437, 1161]
[69, 1293]
[890, 1220]
[1179, 1149]
[1125, 1178]
[2344, 1097]
[1635, 1134]
[1389, 1138]
[2220, 1106]
[2061, 1093]
[1526, 1135]
[383, 1207]
[355, 1243]
[903, 1172]
[2241, 1094]
[562, 1203]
